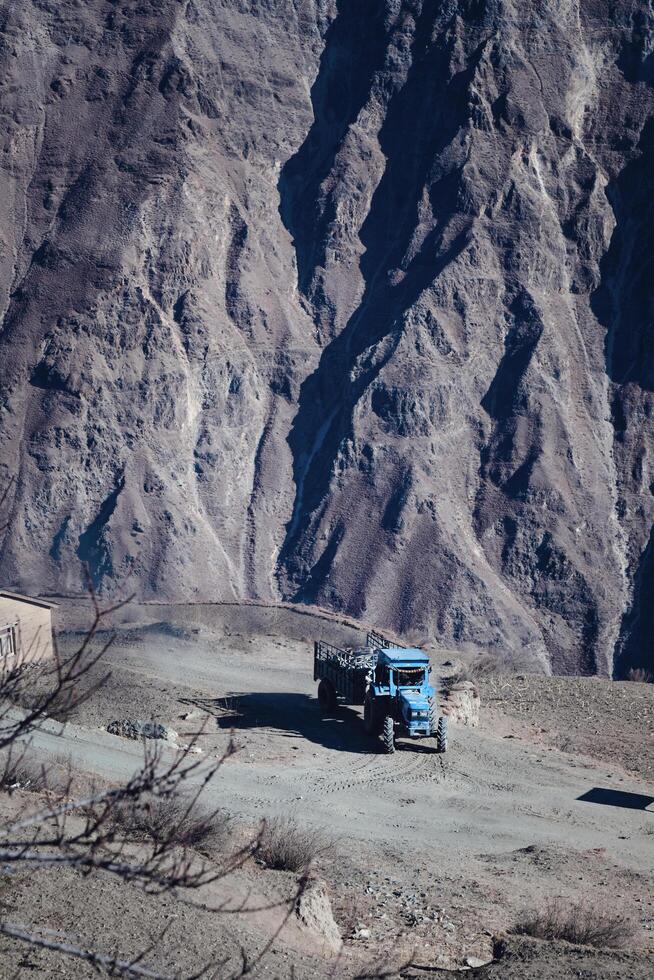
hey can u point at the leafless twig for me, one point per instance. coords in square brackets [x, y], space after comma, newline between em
[92, 832]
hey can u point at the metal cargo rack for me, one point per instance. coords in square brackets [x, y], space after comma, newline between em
[381, 643]
[347, 670]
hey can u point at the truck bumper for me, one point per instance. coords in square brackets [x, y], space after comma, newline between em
[419, 732]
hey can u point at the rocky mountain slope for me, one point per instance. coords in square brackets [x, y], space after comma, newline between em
[348, 303]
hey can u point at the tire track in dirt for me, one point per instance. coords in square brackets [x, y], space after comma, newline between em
[371, 771]
[376, 772]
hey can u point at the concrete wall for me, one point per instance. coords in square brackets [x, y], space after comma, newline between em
[34, 627]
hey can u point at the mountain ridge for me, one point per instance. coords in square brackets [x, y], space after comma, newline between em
[346, 304]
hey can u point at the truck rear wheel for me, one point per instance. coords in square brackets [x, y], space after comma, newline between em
[388, 735]
[370, 715]
[441, 734]
[326, 695]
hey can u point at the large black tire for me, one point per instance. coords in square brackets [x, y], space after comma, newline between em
[433, 717]
[388, 734]
[326, 695]
[441, 734]
[370, 715]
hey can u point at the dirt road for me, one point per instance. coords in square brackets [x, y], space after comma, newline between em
[439, 851]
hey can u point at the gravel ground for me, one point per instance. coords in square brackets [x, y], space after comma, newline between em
[581, 716]
[432, 855]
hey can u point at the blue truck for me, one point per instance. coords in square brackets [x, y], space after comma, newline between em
[391, 682]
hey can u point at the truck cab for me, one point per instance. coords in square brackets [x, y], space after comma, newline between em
[404, 676]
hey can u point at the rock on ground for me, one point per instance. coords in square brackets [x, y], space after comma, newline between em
[314, 911]
[141, 729]
[461, 704]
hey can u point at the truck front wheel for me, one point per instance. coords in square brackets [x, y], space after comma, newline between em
[326, 695]
[388, 735]
[433, 717]
[441, 734]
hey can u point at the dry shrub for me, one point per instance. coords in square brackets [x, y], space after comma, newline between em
[460, 675]
[483, 667]
[169, 820]
[32, 683]
[418, 639]
[576, 924]
[486, 665]
[567, 744]
[287, 847]
[640, 675]
[22, 771]
[51, 772]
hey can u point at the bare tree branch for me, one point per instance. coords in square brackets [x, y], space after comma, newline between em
[59, 681]
[90, 832]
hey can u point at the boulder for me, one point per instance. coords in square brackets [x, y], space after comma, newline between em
[314, 911]
[141, 729]
[461, 704]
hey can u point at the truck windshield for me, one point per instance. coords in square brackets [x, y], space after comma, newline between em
[409, 676]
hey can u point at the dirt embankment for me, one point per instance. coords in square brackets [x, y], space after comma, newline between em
[432, 855]
[608, 721]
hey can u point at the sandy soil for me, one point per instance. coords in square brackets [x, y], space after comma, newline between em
[581, 716]
[433, 855]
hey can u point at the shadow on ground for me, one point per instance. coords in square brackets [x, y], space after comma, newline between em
[614, 797]
[295, 715]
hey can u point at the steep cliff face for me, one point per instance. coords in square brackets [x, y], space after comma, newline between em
[349, 303]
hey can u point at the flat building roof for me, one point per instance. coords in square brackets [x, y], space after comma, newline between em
[30, 600]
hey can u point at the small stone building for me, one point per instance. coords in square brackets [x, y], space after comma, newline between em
[25, 629]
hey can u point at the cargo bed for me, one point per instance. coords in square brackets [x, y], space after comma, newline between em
[347, 670]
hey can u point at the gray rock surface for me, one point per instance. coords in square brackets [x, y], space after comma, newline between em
[461, 704]
[141, 729]
[346, 303]
[313, 909]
